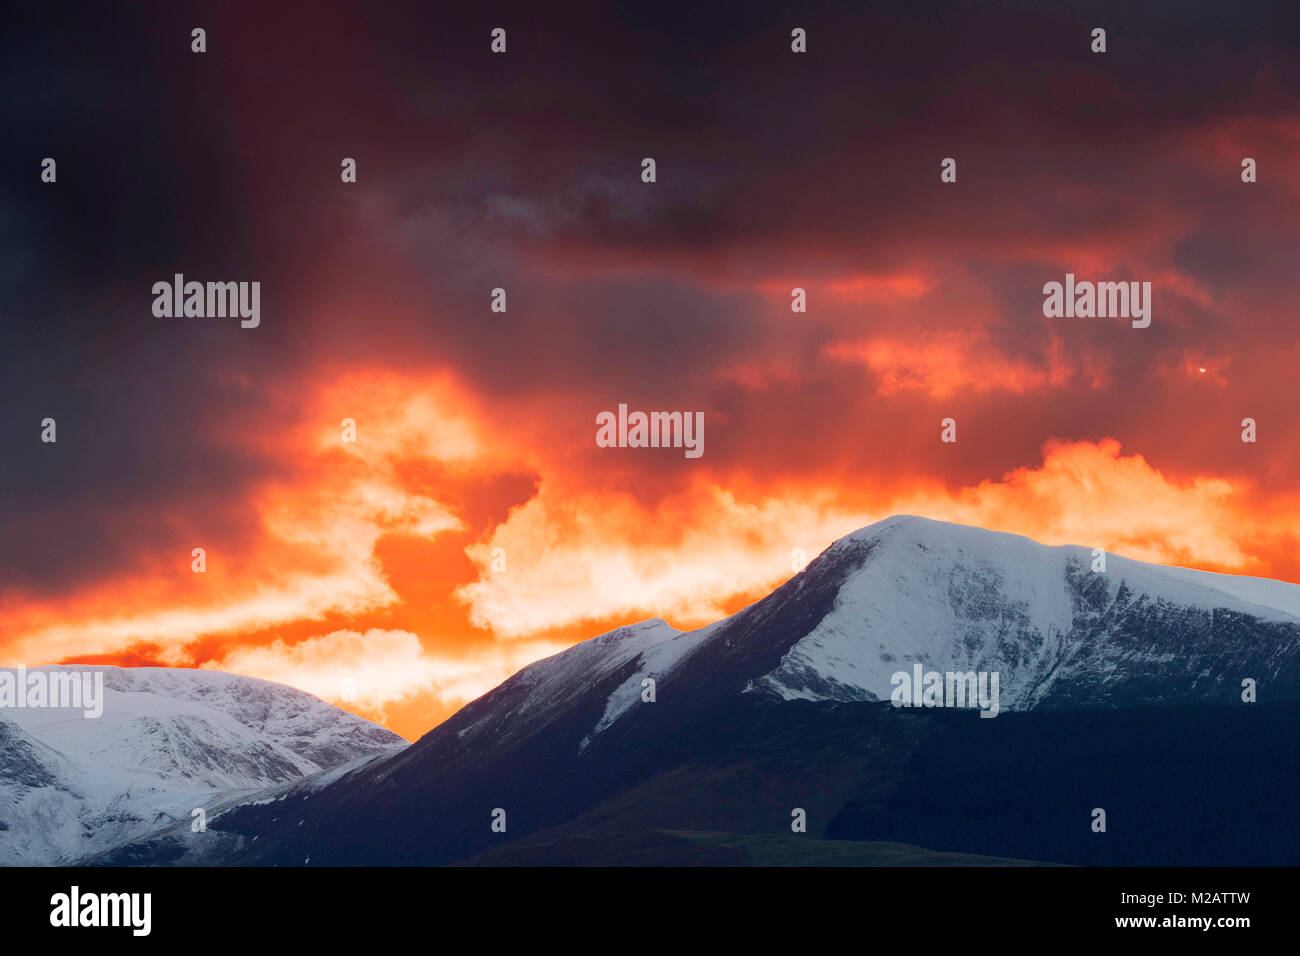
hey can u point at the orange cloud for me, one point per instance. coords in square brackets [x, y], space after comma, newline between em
[1088, 493]
[876, 289]
[945, 363]
[592, 557]
[319, 532]
[601, 556]
[371, 671]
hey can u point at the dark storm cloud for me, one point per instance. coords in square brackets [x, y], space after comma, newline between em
[522, 171]
[143, 190]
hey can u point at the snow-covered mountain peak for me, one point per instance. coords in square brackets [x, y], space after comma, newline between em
[904, 535]
[168, 740]
[959, 598]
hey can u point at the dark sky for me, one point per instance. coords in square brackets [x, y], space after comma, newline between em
[522, 171]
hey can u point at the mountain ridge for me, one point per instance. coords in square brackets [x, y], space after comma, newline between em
[785, 704]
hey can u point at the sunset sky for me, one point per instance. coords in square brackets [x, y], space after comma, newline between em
[476, 430]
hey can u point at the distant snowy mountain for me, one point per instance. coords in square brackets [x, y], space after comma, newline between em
[168, 741]
[784, 704]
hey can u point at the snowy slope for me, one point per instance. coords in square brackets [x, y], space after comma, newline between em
[169, 740]
[545, 689]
